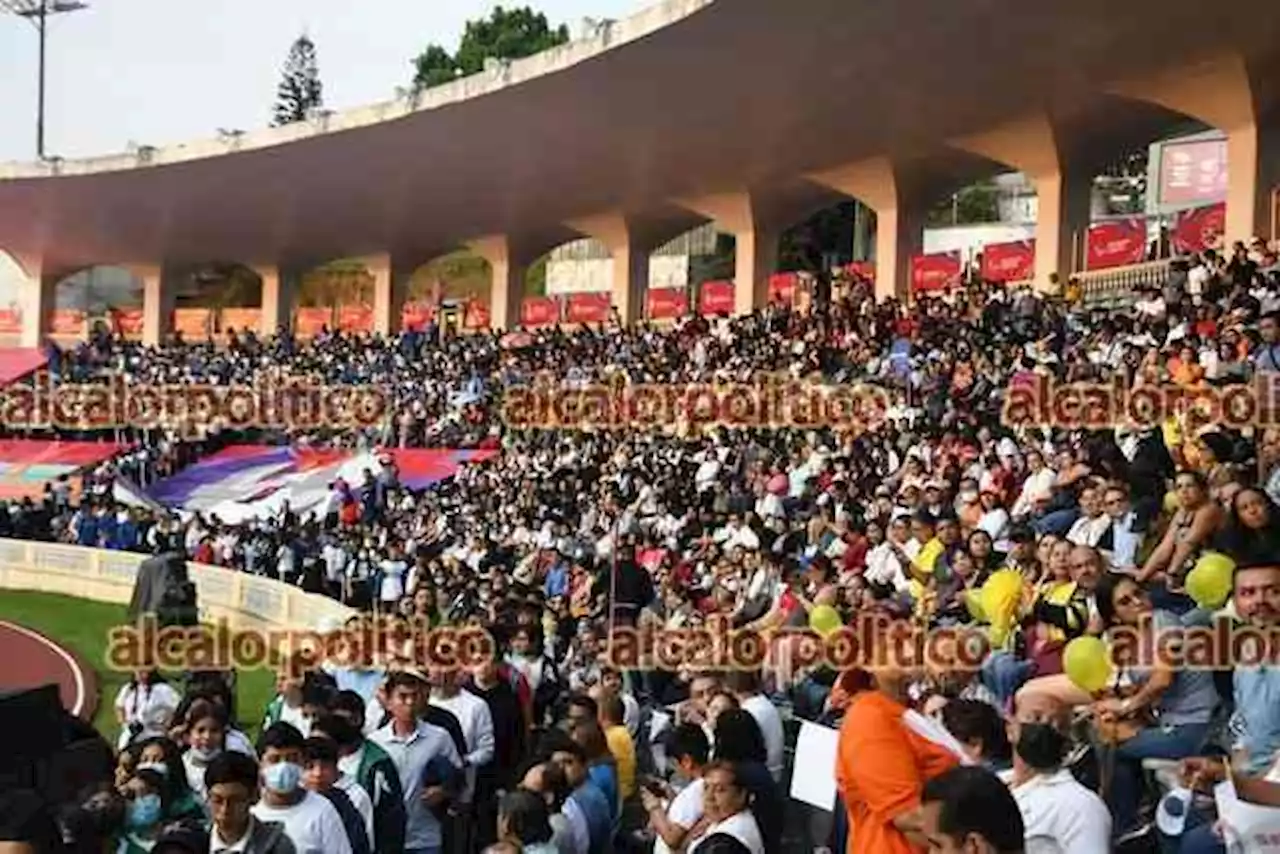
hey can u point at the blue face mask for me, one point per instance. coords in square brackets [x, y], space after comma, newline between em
[144, 812]
[283, 778]
[159, 767]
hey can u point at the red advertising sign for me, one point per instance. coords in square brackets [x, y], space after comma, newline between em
[11, 320]
[312, 320]
[355, 318]
[588, 308]
[667, 303]
[1116, 243]
[415, 316]
[1193, 172]
[67, 321]
[241, 320]
[782, 287]
[476, 316]
[126, 321]
[935, 272]
[716, 298]
[540, 311]
[194, 324]
[861, 270]
[1009, 262]
[1199, 229]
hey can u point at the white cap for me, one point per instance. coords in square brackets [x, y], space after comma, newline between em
[1171, 815]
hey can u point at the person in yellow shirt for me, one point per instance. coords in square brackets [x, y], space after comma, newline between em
[612, 715]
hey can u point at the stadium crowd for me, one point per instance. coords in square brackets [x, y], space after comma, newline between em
[570, 539]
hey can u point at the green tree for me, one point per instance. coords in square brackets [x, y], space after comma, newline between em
[300, 91]
[505, 34]
[976, 203]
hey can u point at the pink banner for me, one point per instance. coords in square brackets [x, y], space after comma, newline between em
[415, 316]
[782, 287]
[355, 318]
[241, 320]
[67, 321]
[540, 311]
[1009, 262]
[311, 321]
[1199, 229]
[667, 303]
[588, 308]
[476, 316]
[716, 298]
[1116, 243]
[1193, 172]
[127, 322]
[935, 272]
[861, 270]
[11, 321]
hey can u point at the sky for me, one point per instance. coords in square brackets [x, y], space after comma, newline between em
[157, 72]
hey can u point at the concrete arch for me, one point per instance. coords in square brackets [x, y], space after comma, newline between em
[97, 289]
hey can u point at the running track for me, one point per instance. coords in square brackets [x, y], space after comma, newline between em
[28, 659]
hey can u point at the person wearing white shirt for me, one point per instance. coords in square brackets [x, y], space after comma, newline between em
[322, 775]
[420, 752]
[312, 824]
[1036, 488]
[1058, 813]
[672, 820]
[392, 571]
[233, 786]
[724, 802]
[144, 707]
[473, 716]
[1093, 523]
[745, 685]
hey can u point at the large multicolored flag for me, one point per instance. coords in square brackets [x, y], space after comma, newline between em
[242, 482]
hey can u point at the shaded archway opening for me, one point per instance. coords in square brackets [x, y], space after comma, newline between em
[218, 300]
[13, 283]
[101, 297]
[336, 295]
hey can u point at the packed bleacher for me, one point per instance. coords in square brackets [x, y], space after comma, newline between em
[946, 513]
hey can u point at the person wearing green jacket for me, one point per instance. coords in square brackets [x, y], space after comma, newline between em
[371, 767]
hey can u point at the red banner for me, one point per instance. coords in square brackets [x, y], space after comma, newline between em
[194, 324]
[588, 308]
[782, 287]
[1193, 171]
[716, 298]
[1009, 262]
[935, 272]
[540, 311]
[11, 321]
[667, 303]
[310, 321]
[476, 316]
[1199, 229]
[355, 318]
[861, 270]
[415, 316]
[67, 321]
[127, 321]
[241, 320]
[1116, 243]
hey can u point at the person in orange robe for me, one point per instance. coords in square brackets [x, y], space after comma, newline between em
[882, 765]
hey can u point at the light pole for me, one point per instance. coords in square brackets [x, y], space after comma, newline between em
[38, 12]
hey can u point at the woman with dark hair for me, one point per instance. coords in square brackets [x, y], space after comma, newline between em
[523, 821]
[601, 767]
[163, 756]
[1252, 531]
[145, 808]
[739, 740]
[728, 810]
[1190, 532]
[1153, 712]
[981, 731]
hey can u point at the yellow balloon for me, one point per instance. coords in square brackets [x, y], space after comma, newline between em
[973, 599]
[1209, 583]
[1001, 595]
[824, 620]
[1087, 663]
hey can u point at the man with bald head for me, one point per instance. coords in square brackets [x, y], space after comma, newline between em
[1053, 803]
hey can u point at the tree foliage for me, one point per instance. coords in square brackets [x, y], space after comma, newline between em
[976, 203]
[505, 34]
[300, 90]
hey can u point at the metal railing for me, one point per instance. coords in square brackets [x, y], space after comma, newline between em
[1113, 288]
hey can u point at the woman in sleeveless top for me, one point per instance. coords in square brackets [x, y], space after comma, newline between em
[1193, 527]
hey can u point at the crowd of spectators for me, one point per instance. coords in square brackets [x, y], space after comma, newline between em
[568, 537]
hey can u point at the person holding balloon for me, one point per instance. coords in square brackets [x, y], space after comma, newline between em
[1252, 530]
[1147, 710]
[1191, 531]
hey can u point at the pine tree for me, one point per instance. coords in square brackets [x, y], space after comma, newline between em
[300, 91]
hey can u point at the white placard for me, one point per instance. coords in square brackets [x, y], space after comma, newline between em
[813, 779]
[1248, 828]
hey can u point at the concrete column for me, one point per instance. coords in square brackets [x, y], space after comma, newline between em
[37, 297]
[629, 248]
[507, 283]
[279, 297]
[756, 237]
[390, 288]
[1032, 145]
[881, 185]
[158, 301]
[1239, 99]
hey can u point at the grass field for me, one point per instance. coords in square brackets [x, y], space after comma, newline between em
[82, 627]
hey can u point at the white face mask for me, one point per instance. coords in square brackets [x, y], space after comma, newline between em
[205, 754]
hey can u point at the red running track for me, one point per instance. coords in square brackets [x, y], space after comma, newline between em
[28, 659]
